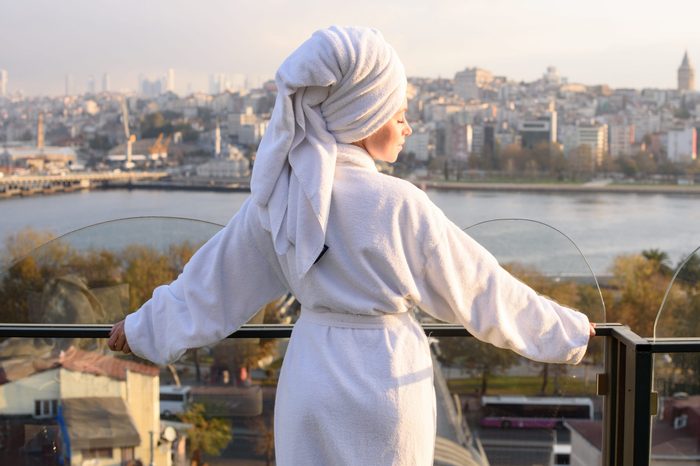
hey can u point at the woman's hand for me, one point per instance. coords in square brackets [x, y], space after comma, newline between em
[117, 338]
[591, 330]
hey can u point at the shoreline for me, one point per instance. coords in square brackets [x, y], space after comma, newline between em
[543, 188]
[559, 188]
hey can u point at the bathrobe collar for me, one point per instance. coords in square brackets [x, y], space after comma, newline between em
[349, 154]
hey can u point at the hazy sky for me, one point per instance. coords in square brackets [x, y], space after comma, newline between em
[623, 43]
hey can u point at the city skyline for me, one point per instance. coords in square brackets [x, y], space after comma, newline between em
[622, 44]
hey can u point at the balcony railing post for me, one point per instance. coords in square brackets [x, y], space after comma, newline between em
[611, 399]
[639, 383]
[627, 407]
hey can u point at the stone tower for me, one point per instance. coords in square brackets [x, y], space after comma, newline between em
[686, 75]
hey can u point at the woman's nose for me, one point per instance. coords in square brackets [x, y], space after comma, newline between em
[408, 130]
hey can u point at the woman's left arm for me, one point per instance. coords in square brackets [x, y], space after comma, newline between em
[463, 283]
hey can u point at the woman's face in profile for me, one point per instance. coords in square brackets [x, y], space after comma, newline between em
[386, 143]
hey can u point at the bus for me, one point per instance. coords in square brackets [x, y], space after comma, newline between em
[174, 399]
[533, 412]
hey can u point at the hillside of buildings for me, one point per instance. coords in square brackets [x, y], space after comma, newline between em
[474, 127]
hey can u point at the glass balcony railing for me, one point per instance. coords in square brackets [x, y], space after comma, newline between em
[66, 399]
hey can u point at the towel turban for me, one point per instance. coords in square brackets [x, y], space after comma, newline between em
[340, 86]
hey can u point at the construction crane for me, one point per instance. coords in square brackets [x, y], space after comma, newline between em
[159, 149]
[130, 138]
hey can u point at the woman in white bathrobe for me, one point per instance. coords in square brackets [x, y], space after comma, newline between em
[358, 249]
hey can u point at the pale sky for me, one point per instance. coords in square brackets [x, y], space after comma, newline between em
[623, 43]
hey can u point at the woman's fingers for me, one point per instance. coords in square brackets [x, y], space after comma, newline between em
[591, 332]
[117, 338]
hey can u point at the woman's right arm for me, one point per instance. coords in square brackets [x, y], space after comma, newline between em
[222, 286]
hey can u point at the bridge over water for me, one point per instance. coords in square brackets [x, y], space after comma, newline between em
[36, 184]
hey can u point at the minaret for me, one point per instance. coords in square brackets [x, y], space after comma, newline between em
[40, 132]
[217, 141]
[686, 75]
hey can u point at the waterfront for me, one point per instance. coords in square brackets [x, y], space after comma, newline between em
[604, 225]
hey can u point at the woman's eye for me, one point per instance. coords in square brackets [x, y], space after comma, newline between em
[401, 121]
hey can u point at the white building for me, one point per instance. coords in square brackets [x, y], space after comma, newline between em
[595, 136]
[217, 83]
[3, 83]
[552, 76]
[645, 123]
[458, 140]
[621, 139]
[170, 80]
[110, 406]
[105, 83]
[468, 83]
[681, 145]
[234, 166]
[478, 139]
[251, 134]
[419, 144]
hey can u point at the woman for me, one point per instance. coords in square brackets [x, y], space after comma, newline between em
[358, 249]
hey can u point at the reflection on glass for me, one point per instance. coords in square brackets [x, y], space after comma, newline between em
[544, 258]
[99, 273]
[214, 405]
[679, 313]
[676, 429]
[520, 412]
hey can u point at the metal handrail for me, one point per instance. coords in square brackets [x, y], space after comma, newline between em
[30, 330]
[626, 383]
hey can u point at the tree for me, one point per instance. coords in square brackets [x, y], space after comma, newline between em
[639, 287]
[659, 259]
[145, 270]
[480, 358]
[582, 162]
[690, 273]
[265, 439]
[208, 436]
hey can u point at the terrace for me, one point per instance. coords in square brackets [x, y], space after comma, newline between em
[64, 396]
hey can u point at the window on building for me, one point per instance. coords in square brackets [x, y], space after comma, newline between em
[127, 454]
[96, 453]
[45, 408]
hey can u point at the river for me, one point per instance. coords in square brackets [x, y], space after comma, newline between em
[602, 225]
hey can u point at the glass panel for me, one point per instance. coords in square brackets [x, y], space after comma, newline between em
[525, 412]
[679, 312]
[544, 258]
[228, 397]
[99, 273]
[520, 412]
[674, 435]
[677, 376]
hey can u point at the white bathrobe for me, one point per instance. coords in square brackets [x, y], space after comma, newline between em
[356, 383]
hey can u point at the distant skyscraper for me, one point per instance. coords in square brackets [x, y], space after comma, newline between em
[3, 83]
[105, 82]
[217, 83]
[151, 88]
[91, 85]
[686, 75]
[69, 84]
[170, 81]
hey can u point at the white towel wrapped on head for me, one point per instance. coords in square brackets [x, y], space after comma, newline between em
[339, 86]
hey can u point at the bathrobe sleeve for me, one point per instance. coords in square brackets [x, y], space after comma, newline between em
[222, 286]
[463, 283]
